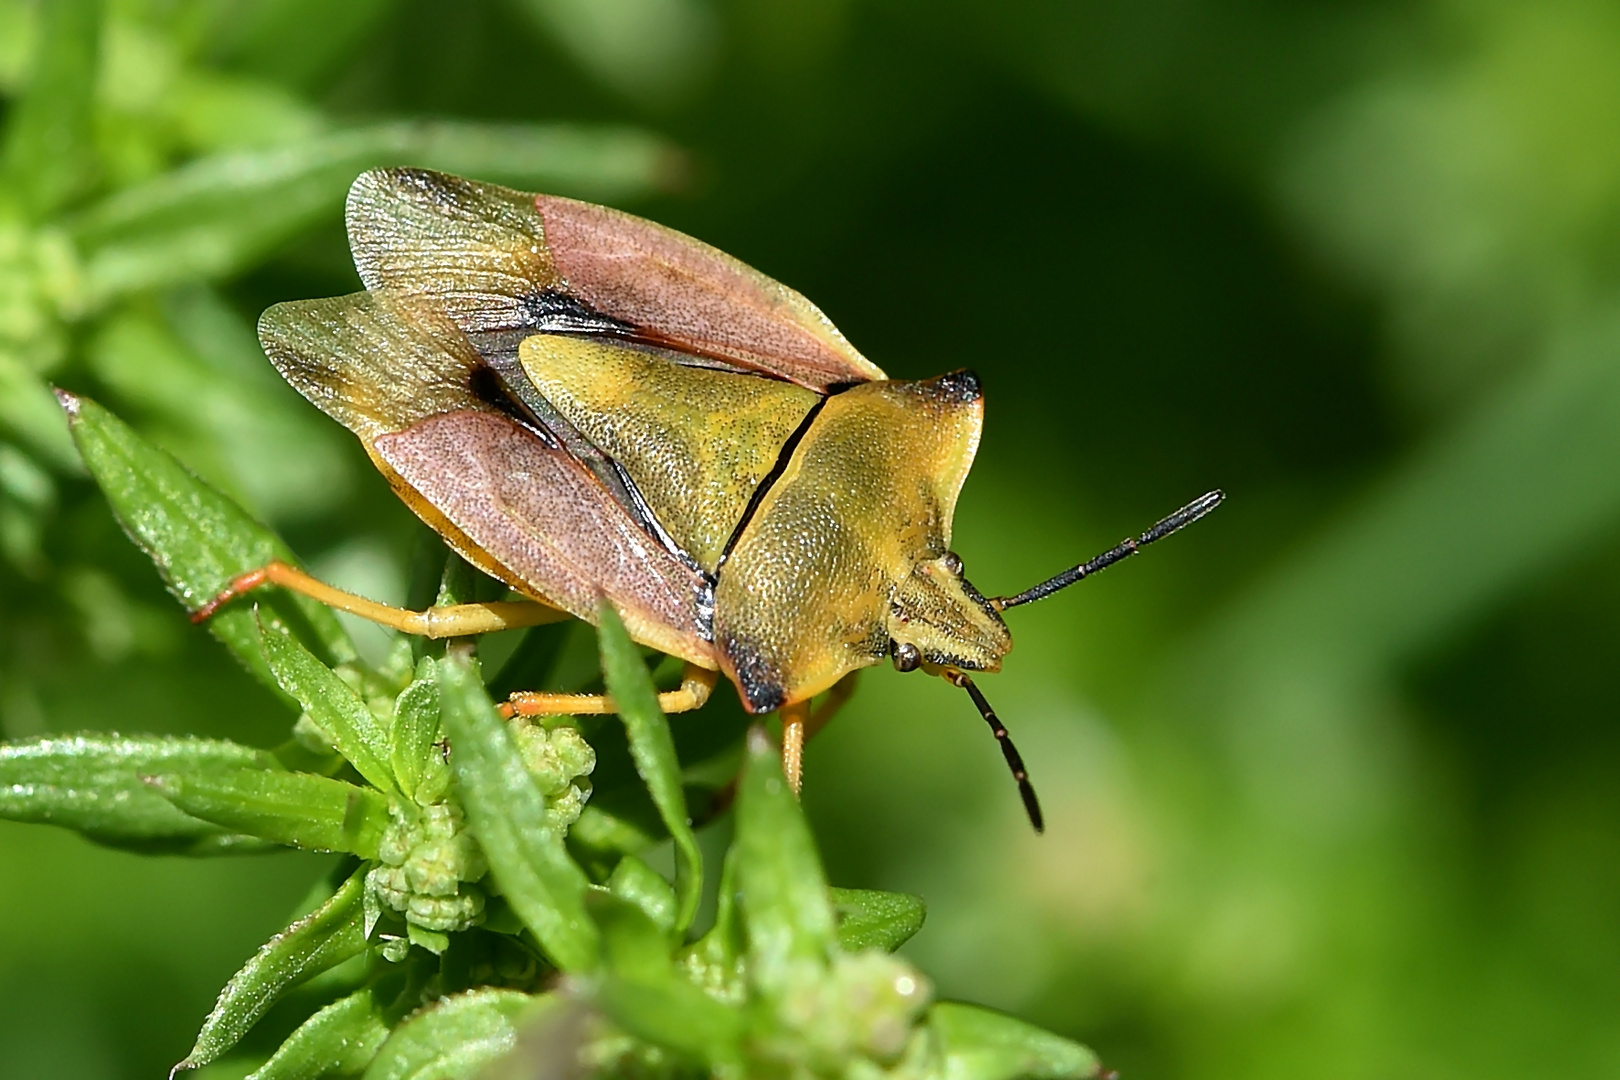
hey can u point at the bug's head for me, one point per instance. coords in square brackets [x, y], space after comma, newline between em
[938, 622]
[943, 625]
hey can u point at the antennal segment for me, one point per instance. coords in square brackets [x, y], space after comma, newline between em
[1015, 761]
[1185, 516]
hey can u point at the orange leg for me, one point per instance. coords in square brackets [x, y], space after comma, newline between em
[800, 722]
[794, 719]
[696, 684]
[457, 620]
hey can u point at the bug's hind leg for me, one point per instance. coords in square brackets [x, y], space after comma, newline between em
[696, 685]
[457, 620]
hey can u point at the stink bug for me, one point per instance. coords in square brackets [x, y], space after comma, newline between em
[591, 407]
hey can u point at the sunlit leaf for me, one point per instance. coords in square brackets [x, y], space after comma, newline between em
[980, 1044]
[455, 1037]
[92, 783]
[339, 1040]
[653, 748]
[298, 809]
[198, 538]
[321, 940]
[508, 815]
[784, 899]
[868, 919]
[333, 704]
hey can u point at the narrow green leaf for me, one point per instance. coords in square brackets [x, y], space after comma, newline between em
[321, 940]
[508, 815]
[653, 748]
[600, 838]
[715, 961]
[642, 992]
[980, 1044]
[219, 214]
[452, 1039]
[784, 898]
[332, 703]
[868, 919]
[298, 809]
[676, 1015]
[415, 728]
[633, 946]
[339, 1040]
[92, 783]
[635, 881]
[48, 156]
[198, 538]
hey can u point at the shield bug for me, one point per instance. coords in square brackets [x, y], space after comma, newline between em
[591, 407]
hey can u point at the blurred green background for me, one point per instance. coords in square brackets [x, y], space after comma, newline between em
[1332, 780]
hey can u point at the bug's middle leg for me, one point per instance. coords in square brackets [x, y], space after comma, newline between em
[452, 620]
[696, 685]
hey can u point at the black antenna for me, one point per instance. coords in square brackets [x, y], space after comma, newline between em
[1015, 762]
[1185, 516]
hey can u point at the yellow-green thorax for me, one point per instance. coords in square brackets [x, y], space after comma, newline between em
[824, 522]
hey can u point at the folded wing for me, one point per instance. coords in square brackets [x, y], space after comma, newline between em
[506, 496]
[500, 260]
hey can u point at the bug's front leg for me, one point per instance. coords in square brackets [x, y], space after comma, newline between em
[795, 718]
[800, 722]
[696, 685]
[454, 620]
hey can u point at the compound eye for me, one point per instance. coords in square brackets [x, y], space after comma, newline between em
[952, 562]
[906, 657]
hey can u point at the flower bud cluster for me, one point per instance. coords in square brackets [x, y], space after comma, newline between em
[561, 762]
[429, 868]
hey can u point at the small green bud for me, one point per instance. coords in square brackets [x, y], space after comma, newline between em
[429, 863]
[559, 759]
[445, 913]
